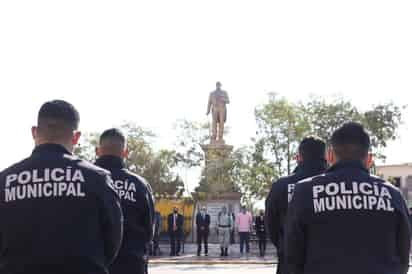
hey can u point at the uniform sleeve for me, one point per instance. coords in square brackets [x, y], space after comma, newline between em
[148, 213]
[404, 237]
[295, 234]
[273, 216]
[112, 221]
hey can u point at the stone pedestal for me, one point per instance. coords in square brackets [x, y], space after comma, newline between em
[231, 200]
[221, 190]
[218, 160]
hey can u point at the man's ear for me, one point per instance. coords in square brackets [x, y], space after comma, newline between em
[34, 132]
[97, 151]
[369, 161]
[299, 158]
[76, 138]
[331, 157]
[125, 153]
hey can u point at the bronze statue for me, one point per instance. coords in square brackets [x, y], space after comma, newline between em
[217, 103]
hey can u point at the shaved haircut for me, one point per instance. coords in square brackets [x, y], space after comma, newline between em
[57, 120]
[351, 142]
[112, 141]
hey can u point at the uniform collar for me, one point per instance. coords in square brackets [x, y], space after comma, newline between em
[109, 162]
[47, 148]
[348, 164]
[311, 168]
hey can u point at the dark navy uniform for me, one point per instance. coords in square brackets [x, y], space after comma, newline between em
[347, 221]
[277, 204]
[58, 214]
[138, 209]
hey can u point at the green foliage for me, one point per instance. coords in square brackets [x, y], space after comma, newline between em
[283, 124]
[252, 173]
[157, 167]
[86, 149]
[280, 124]
[190, 135]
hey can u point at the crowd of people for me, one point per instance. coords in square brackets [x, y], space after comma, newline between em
[226, 225]
[61, 214]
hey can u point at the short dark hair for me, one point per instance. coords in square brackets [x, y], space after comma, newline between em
[351, 141]
[57, 119]
[113, 134]
[312, 148]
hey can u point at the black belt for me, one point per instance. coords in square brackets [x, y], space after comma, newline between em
[224, 225]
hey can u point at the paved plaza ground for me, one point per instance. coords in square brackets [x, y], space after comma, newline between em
[215, 269]
[234, 264]
[190, 251]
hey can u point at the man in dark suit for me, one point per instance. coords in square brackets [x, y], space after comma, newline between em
[175, 229]
[261, 232]
[202, 225]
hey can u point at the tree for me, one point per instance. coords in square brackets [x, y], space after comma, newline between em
[282, 125]
[157, 167]
[252, 173]
[382, 121]
[190, 135]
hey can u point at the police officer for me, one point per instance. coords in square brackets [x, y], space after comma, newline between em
[224, 227]
[311, 161]
[136, 200]
[347, 221]
[58, 214]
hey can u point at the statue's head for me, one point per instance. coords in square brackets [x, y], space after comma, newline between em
[218, 85]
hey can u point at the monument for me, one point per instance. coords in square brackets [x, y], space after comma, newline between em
[219, 189]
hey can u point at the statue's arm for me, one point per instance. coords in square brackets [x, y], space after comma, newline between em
[227, 101]
[209, 105]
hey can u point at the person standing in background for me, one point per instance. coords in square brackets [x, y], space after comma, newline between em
[175, 228]
[260, 229]
[244, 222]
[224, 226]
[202, 230]
[154, 248]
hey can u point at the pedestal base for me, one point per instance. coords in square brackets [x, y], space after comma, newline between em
[230, 200]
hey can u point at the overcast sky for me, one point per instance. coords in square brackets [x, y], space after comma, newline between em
[154, 62]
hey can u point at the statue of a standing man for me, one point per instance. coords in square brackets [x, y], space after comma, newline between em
[217, 103]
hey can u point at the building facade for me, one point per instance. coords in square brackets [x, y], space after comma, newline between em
[400, 175]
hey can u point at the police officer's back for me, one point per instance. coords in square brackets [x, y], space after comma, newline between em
[58, 214]
[347, 221]
[311, 161]
[137, 204]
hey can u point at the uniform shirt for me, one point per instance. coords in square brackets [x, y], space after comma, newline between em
[137, 204]
[279, 197]
[347, 221]
[57, 213]
[244, 222]
[225, 220]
